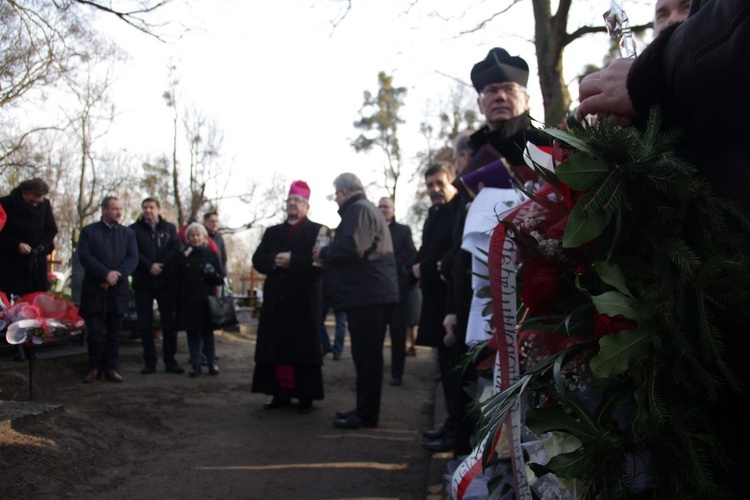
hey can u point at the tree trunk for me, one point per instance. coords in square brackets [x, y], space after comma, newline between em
[550, 37]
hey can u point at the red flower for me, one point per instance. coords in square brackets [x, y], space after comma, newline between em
[609, 325]
[542, 285]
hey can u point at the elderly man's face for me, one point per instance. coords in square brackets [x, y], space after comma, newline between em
[296, 207]
[386, 207]
[669, 12]
[500, 102]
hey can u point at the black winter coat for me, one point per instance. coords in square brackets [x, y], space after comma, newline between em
[155, 245]
[289, 325]
[404, 252]
[102, 249]
[360, 261]
[195, 284]
[437, 239]
[35, 226]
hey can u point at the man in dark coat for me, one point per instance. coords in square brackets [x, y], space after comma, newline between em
[26, 241]
[364, 283]
[288, 356]
[108, 254]
[211, 221]
[693, 72]
[437, 240]
[155, 280]
[404, 251]
[500, 81]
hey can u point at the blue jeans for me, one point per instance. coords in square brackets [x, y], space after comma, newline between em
[204, 339]
[340, 333]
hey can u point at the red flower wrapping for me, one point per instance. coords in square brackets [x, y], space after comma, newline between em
[609, 325]
[542, 285]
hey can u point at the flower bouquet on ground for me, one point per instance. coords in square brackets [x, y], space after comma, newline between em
[38, 317]
[614, 289]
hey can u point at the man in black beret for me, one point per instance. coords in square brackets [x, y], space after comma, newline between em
[500, 80]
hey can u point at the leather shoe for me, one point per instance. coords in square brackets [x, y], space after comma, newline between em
[345, 414]
[213, 369]
[195, 371]
[91, 376]
[354, 422]
[433, 434]
[276, 403]
[396, 381]
[174, 368]
[305, 406]
[442, 444]
[148, 369]
[113, 376]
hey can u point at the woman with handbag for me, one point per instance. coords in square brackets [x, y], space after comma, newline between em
[199, 274]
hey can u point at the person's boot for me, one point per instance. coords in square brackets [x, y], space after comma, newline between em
[195, 371]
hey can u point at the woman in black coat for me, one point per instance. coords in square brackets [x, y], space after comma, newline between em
[199, 274]
[26, 239]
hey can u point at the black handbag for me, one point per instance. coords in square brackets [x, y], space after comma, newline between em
[221, 311]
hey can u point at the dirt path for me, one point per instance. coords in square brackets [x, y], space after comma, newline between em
[168, 436]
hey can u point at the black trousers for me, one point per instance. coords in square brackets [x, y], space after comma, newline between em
[397, 330]
[166, 299]
[103, 336]
[367, 332]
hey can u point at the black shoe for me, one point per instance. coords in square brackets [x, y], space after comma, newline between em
[213, 369]
[173, 367]
[148, 369]
[345, 414]
[434, 434]
[195, 371]
[396, 381]
[305, 406]
[336, 357]
[354, 422]
[276, 403]
[442, 444]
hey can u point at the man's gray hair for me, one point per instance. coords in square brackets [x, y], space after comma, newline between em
[462, 144]
[348, 181]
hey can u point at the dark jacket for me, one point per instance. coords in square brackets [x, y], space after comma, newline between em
[289, 325]
[437, 240]
[218, 239]
[102, 249]
[691, 72]
[360, 261]
[196, 282]
[159, 244]
[35, 226]
[404, 252]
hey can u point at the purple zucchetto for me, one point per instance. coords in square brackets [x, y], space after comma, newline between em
[300, 188]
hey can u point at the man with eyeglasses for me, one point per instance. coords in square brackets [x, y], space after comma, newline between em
[287, 354]
[500, 81]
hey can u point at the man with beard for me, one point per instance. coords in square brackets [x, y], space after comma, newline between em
[288, 357]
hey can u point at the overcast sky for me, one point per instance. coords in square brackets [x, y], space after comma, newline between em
[286, 87]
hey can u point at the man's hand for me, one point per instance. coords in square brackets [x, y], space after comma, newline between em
[282, 259]
[156, 268]
[24, 249]
[112, 277]
[449, 323]
[606, 92]
[416, 270]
